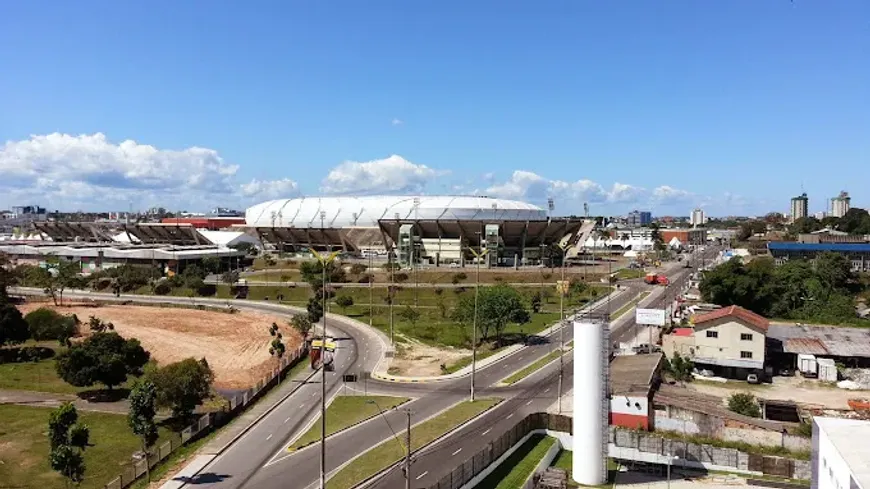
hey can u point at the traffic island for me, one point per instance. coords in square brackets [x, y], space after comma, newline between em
[393, 450]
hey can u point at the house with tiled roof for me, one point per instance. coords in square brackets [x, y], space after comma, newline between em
[729, 341]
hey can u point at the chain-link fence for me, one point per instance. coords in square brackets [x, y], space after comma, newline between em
[208, 421]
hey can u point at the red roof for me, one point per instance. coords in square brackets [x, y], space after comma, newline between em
[683, 331]
[746, 315]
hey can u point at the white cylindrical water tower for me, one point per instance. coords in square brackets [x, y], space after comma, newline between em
[591, 402]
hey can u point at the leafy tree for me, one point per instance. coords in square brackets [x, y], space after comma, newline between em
[535, 302]
[314, 309]
[67, 439]
[410, 315]
[211, 264]
[744, 403]
[358, 268]
[13, 327]
[497, 306]
[8, 277]
[47, 324]
[458, 277]
[312, 272]
[301, 323]
[344, 301]
[230, 277]
[680, 367]
[97, 325]
[104, 358]
[143, 408]
[856, 221]
[805, 225]
[277, 347]
[245, 247]
[181, 386]
[400, 277]
[656, 235]
[57, 277]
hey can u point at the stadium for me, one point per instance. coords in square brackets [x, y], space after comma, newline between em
[419, 229]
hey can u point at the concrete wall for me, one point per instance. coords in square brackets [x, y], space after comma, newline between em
[728, 344]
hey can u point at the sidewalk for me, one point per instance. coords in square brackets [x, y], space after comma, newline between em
[227, 435]
[53, 400]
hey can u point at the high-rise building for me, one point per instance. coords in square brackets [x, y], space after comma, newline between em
[637, 219]
[698, 217]
[840, 204]
[800, 206]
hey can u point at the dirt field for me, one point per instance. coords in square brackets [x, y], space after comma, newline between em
[802, 391]
[235, 345]
[420, 360]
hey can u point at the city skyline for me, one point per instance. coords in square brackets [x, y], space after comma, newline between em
[588, 103]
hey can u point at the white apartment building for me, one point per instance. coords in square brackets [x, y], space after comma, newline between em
[799, 207]
[840, 204]
[698, 217]
[840, 456]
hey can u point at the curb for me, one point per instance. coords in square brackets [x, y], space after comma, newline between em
[502, 383]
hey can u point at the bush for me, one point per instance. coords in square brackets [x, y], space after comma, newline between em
[181, 386]
[162, 287]
[13, 327]
[344, 301]
[366, 278]
[358, 268]
[390, 266]
[458, 277]
[744, 403]
[400, 277]
[47, 324]
[104, 358]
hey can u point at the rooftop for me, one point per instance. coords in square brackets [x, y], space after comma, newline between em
[633, 374]
[841, 247]
[842, 434]
[822, 340]
[745, 315]
[690, 400]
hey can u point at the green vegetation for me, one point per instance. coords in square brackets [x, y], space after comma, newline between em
[529, 370]
[38, 375]
[744, 403]
[25, 445]
[631, 305]
[565, 458]
[393, 450]
[181, 386]
[463, 362]
[104, 358]
[629, 273]
[680, 367]
[856, 221]
[346, 411]
[743, 447]
[515, 469]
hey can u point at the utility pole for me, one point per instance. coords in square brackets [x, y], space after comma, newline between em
[562, 291]
[478, 256]
[390, 294]
[408, 452]
[371, 291]
[324, 262]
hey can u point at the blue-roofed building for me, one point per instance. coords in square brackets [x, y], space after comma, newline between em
[857, 253]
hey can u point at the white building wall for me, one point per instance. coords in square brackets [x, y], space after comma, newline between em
[633, 405]
[832, 470]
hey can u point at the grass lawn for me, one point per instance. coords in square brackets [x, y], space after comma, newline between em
[24, 447]
[466, 361]
[564, 460]
[389, 452]
[631, 305]
[515, 469]
[522, 374]
[630, 273]
[346, 411]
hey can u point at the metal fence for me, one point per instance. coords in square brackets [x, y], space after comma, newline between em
[481, 460]
[208, 422]
[621, 438]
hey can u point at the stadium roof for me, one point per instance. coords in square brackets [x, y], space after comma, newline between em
[342, 212]
[840, 247]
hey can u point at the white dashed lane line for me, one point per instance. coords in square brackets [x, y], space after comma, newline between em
[269, 437]
[529, 402]
[457, 451]
[286, 420]
[422, 475]
[485, 432]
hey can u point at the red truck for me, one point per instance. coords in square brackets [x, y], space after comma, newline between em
[654, 278]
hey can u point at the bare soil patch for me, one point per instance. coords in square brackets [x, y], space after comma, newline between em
[416, 359]
[807, 393]
[236, 346]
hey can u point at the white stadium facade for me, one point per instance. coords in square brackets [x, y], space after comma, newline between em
[423, 229]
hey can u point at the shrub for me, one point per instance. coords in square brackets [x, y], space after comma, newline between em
[400, 277]
[358, 268]
[47, 324]
[181, 386]
[162, 287]
[458, 277]
[744, 403]
[366, 278]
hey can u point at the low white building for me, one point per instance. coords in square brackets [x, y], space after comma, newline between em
[840, 454]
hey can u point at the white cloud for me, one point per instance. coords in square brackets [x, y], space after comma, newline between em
[269, 189]
[389, 175]
[669, 195]
[397, 122]
[531, 186]
[89, 171]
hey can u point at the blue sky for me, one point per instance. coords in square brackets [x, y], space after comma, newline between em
[734, 105]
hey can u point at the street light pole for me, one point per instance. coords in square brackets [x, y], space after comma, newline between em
[371, 291]
[478, 257]
[323, 385]
[408, 452]
[562, 291]
[390, 295]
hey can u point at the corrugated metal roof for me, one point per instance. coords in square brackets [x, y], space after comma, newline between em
[841, 247]
[822, 340]
[805, 346]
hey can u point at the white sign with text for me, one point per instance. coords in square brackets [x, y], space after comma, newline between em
[654, 317]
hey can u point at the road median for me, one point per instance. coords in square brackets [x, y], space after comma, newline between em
[391, 451]
[532, 368]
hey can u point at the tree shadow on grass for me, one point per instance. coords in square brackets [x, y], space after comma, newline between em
[104, 395]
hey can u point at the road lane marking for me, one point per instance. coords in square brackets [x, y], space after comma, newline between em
[511, 416]
[457, 451]
[302, 405]
[422, 475]
[485, 432]
[529, 402]
[547, 390]
[286, 420]
[269, 437]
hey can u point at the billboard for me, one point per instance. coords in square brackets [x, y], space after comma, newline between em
[654, 317]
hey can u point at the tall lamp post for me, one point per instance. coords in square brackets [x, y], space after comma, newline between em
[563, 291]
[324, 262]
[478, 255]
[407, 468]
